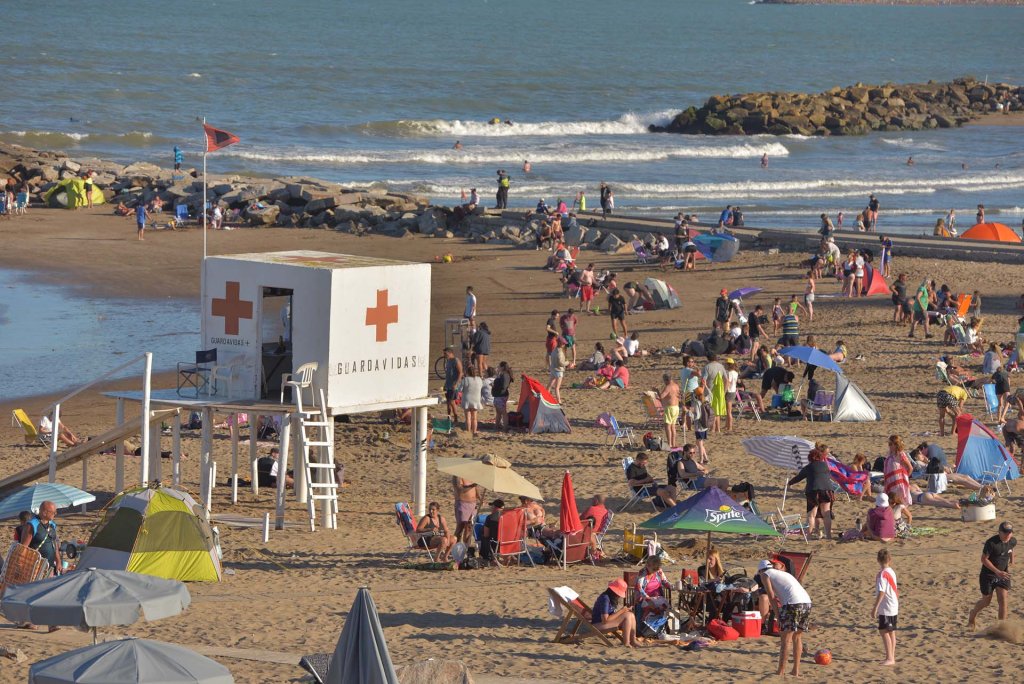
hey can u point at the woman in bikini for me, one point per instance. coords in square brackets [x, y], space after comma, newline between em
[435, 534]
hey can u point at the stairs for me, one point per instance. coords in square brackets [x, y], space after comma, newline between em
[317, 439]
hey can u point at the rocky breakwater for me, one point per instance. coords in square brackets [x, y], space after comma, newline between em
[284, 202]
[853, 110]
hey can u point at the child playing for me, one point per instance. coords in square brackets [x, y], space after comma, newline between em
[777, 314]
[887, 606]
[699, 414]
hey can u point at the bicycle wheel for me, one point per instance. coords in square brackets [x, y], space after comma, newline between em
[439, 367]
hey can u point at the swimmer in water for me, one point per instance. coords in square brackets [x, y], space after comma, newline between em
[527, 167]
[457, 145]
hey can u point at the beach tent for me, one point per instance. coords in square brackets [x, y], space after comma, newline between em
[874, 282]
[978, 451]
[996, 232]
[70, 194]
[540, 410]
[851, 405]
[716, 248]
[665, 296]
[154, 530]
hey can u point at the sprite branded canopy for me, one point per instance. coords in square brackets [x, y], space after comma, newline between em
[156, 531]
[710, 510]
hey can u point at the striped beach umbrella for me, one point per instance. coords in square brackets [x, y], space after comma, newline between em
[29, 498]
[788, 453]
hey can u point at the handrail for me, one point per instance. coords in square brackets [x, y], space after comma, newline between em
[101, 378]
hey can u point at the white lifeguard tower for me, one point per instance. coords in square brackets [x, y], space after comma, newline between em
[341, 334]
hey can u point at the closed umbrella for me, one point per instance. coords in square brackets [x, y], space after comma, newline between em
[29, 498]
[130, 661]
[568, 514]
[362, 653]
[95, 598]
[491, 472]
[744, 292]
[788, 453]
[812, 356]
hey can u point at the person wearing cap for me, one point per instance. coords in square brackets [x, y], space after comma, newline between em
[723, 307]
[489, 534]
[556, 366]
[607, 616]
[996, 559]
[793, 609]
[880, 525]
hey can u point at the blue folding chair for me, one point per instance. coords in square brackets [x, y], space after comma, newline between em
[181, 214]
[991, 400]
[622, 434]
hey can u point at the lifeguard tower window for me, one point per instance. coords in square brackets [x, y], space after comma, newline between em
[275, 338]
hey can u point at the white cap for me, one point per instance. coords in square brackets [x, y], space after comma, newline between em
[765, 565]
[882, 500]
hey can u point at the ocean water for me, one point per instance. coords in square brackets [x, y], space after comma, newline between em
[378, 93]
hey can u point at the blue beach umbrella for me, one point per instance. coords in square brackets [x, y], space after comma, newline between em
[744, 292]
[813, 357]
[29, 498]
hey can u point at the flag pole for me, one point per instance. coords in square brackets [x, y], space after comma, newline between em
[202, 264]
[205, 149]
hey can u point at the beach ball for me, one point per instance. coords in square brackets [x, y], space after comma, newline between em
[611, 336]
[823, 657]
[447, 258]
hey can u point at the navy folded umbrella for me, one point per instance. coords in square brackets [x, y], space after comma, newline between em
[813, 357]
[744, 292]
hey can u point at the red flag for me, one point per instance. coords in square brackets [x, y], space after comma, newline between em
[216, 138]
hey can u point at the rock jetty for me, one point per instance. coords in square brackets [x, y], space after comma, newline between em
[853, 110]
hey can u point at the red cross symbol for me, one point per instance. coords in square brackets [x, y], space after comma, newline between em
[382, 315]
[231, 308]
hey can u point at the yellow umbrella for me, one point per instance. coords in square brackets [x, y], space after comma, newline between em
[491, 472]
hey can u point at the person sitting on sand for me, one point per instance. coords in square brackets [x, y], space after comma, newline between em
[620, 376]
[122, 209]
[901, 517]
[840, 353]
[436, 534]
[596, 359]
[607, 616]
[881, 524]
[267, 470]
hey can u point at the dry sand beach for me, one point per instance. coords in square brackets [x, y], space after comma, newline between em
[289, 597]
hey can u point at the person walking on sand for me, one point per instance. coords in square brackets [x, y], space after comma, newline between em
[587, 287]
[809, 295]
[669, 396]
[920, 307]
[567, 322]
[793, 607]
[996, 559]
[551, 330]
[617, 311]
[887, 605]
[470, 310]
[557, 369]
[452, 380]
[140, 219]
[467, 499]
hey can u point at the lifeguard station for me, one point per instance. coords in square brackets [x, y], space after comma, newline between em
[303, 336]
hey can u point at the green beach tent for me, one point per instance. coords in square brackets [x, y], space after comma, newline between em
[154, 530]
[70, 194]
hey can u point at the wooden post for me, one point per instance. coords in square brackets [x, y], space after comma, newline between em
[155, 464]
[282, 469]
[234, 458]
[266, 527]
[176, 449]
[254, 453]
[205, 449]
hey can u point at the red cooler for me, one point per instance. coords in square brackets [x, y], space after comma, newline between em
[747, 623]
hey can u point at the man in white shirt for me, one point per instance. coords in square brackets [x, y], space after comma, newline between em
[793, 606]
[470, 312]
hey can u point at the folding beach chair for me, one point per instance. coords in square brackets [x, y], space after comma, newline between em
[21, 203]
[641, 253]
[634, 544]
[996, 476]
[791, 525]
[576, 547]
[960, 337]
[622, 434]
[645, 492]
[745, 403]
[565, 603]
[629, 577]
[32, 435]
[181, 217]
[942, 374]
[404, 519]
[194, 378]
[653, 410]
[821, 405]
[512, 537]
[991, 400]
[600, 532]
[796, 562]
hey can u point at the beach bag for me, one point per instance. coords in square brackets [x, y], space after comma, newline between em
[721, 631]
[654, 626]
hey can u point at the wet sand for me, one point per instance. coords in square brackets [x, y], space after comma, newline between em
[290, 596]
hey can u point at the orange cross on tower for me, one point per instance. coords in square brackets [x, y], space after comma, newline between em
[382, 315]
[231, 308]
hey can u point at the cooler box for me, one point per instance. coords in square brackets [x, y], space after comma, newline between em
[978, 513]
[747, 623]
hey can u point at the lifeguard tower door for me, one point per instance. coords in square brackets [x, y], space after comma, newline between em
[275, 318]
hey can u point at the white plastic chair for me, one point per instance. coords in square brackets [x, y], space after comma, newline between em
[300, 380]
[997, 476]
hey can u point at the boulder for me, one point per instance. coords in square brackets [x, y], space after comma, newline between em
[317, 205]
[427, 222]
[262, 217]
[591, 236]
[612, 244]
[574, 236]
[72, 166]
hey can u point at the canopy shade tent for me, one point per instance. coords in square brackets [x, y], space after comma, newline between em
[994, 232]
[362, 653]
[491, 472]
[874, 282]
[710, 510]
[29, 498]
[979, 451]
[130, 661]
[95, 598]
[568, 514]
[812, 356]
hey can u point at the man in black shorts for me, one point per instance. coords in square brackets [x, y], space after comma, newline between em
[996, 559]
[775, 377]
[617, 310]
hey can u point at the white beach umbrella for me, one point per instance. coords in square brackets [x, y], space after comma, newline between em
[788, 453]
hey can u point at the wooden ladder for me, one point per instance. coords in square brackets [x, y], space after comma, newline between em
[315, 433]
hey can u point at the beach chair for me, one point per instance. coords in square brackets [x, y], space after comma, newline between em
[511, 543]
[996, 476]
[32, 435]
[406, 523]
[443, 426]
[181, 217]
[576, 546]
[821, 405]
[640, 252]
[620, 433]
[745, 403]
[653, 409]
[21, 203]
[629, 576]
[942, 375]
[194, 378]
[646, 492]
[565, 603]
[796, 562]
[600, 532]
[634, 544]
[791, 525]
[963, 345]
[988, 390]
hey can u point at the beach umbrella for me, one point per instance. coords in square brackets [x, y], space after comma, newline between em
[716, 248]
[812, 356]
[996, 232]
[491, 472]
[362, 653]
[744, 292]
[788, 453]
[568, 514]
[710, 510]
[95, 598]
[29, 498]
[130, 661]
